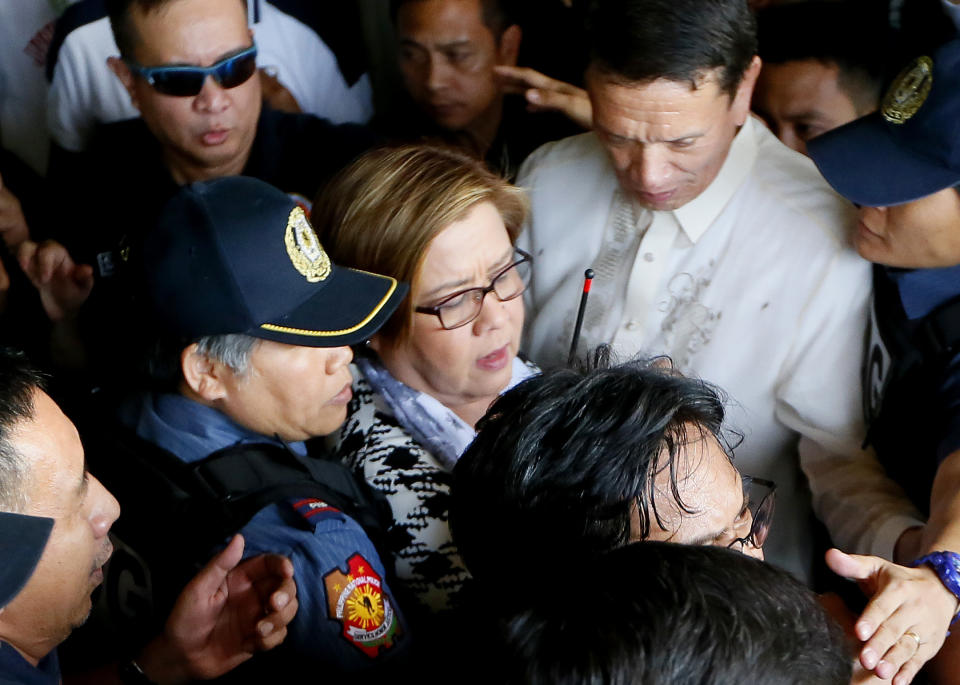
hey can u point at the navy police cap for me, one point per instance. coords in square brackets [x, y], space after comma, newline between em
[22, 539]
[908, 149]
[236, 255]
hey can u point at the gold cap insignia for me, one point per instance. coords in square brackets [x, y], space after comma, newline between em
[304, 249]
[908, 92]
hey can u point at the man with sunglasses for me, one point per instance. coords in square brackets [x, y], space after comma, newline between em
[188, 66]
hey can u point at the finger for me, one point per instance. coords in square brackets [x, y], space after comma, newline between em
[909, 671]
[208, 581]
[83, 275]
[271, 639]
[884, 638]
[284, 612]
[530, 77]
[278, 565]
[26, 254]
[904, 649]
[49, 260]
[852, 566]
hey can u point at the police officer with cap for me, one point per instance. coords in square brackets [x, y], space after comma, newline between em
[259, 321]
[901, 166]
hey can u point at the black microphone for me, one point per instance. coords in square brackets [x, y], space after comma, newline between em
[587, 282]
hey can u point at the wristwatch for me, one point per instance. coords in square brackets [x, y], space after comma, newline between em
[947, 567]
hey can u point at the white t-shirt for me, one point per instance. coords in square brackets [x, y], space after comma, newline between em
[751, 286]
[84, 92]
[26, 30]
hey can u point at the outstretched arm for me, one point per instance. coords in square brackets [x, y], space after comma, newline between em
[547, 94]
[63, 285]
[905, 622]
[229, 611]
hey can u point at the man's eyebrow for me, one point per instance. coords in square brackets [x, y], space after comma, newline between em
[707, 538]
[227, 55]
[710, 537]
[452, 45]
[691, 136]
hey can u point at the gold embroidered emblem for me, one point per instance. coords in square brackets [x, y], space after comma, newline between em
[304, 249]
[908, 92]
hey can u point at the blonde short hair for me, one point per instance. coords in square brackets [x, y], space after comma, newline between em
[381, 213]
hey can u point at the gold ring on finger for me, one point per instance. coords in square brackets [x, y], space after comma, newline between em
[913, 635]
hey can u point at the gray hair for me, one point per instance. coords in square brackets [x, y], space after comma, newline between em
[19, 382]
[232, 350]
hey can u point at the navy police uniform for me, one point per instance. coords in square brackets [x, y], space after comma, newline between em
[911, 374]
[905, 152]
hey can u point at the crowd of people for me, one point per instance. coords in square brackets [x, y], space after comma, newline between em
[540, 341]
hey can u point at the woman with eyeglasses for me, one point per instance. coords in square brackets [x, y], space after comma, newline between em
[442, 222]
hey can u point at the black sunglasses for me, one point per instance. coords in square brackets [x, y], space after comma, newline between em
[187, 81]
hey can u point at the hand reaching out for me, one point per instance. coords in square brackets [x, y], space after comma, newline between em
[906, 620]
[229, 611]
[63, 285]
[547, 94]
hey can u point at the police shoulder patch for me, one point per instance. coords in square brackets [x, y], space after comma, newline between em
[356, 599]
[908, 91]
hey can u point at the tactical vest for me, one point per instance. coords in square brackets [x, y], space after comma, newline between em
[175, 514]
[904, 365]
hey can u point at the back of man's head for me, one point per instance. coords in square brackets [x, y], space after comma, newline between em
[639, 41]
[668, 614]
[849, 34]
[18, 385]
[564, 461]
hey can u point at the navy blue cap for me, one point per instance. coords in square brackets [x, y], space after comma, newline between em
[910, 148]
[22, 539]
[236, 255]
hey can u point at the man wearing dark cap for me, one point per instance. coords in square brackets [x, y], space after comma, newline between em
[54, 523]
[261, 320]
[901, 165]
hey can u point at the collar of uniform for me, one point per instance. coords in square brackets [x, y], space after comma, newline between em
[923, 290]
[696, 216]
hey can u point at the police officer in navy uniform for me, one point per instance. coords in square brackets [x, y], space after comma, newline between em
[901, 165]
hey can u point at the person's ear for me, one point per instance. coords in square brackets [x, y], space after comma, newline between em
[375, 343]
[741, 99]
[509, 47]
[202, 375]
[123, 73]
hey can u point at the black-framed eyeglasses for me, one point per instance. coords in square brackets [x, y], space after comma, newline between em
[187, 80]
[463, 306]
[761, 501]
